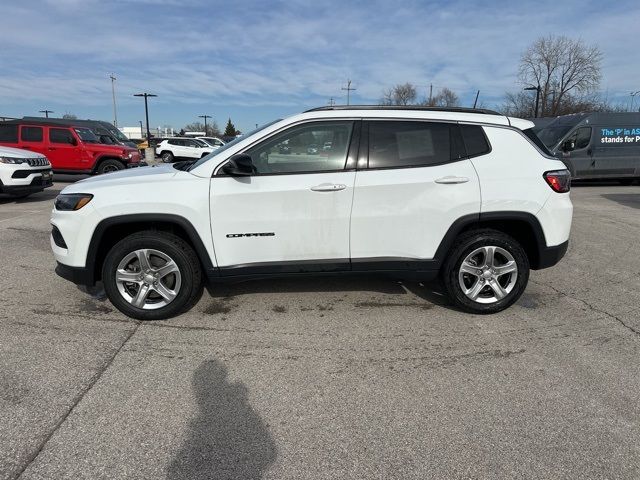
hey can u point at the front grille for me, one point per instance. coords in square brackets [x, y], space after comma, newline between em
[26, 173]
[37, 162]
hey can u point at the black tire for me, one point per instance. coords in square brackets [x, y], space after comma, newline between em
[168, 244]
[110, 165]
[465, 245]
[167, 157]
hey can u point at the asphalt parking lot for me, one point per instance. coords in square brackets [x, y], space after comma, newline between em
[327, 378]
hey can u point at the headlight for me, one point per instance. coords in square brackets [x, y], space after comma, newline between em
[12, 160]
[131, 154]
[72, 201]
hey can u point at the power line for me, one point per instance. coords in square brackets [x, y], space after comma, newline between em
[349, 89]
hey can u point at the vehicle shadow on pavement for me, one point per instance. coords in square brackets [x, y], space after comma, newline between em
[430, 292]
[45, 196]
[627, 199]
[227, 439]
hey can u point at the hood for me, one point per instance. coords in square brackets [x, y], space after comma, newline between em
[18, 153]
[124, 177]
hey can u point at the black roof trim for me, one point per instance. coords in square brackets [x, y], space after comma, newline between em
[405, 107]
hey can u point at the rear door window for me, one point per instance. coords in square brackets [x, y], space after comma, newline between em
[31, 134]
[399, 144]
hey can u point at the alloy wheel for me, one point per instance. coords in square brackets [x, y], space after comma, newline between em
[488, 274]
[148, 279]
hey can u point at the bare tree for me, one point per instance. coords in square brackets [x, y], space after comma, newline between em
[444, 98]
[212, 129]
[69, 116]
[404, 94]
[564, 69]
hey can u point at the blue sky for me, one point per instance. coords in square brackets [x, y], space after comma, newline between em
[255, 61]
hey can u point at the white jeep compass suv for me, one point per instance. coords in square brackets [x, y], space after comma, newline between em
[171, 148]
[469, 196]
[23, 172]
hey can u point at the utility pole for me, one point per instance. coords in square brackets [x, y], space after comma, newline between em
[332, 102]
[113, 95]
[349, 90]
[146, 110]
[206, 133]
[537, 89]
[430, 94]
[476, 101]
[46, 112]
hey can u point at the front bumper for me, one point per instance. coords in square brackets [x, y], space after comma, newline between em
[37, 183]
[78, 275]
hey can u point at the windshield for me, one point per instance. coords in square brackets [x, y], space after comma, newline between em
[550, 136]
[119, 135]
[232, 143]
[86, 135]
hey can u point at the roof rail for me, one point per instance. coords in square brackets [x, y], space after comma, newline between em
[405, 107]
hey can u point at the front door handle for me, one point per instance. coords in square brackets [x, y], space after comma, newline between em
[451, 180]
[328, 187]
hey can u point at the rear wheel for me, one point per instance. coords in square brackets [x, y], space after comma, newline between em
[152, 275]
[167, 157]
[110, 165]
[486, 271]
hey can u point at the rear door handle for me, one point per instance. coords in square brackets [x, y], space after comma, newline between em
[451, 180]
[328, 187]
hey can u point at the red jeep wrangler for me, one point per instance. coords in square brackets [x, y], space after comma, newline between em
[70, 149]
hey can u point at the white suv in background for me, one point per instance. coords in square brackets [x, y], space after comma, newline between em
[184, 148]
[214, 142]
[23, 172]
[468, 196]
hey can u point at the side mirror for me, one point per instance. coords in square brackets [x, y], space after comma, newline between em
[240, 165]
[73, 141]
[569, 146]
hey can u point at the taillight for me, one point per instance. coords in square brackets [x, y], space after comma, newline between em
[559, 180]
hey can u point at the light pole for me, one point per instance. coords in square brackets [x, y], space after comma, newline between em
[146, 110]
[537, 89]
[206, 134]
[46, 112]
[113, 95]
[141, 131]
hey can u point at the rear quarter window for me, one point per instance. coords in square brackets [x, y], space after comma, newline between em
[531, 135]
[475, 141]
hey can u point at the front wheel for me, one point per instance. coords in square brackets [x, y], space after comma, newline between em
[111, 165]
[486, 271]
[152, 275]
[167, 157]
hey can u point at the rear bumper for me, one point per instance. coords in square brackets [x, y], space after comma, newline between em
[77, 275]
[549, 256]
